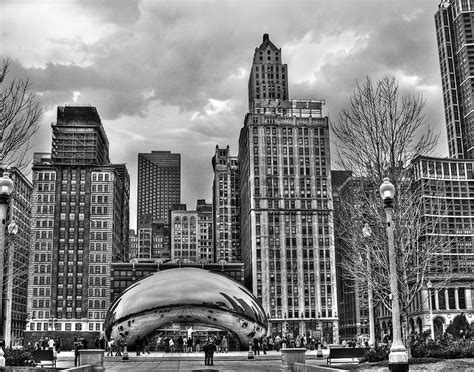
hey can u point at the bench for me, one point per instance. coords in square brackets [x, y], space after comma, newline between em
[346, 353]
[44, 355]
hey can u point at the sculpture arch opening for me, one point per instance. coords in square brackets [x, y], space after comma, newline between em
[185, 295]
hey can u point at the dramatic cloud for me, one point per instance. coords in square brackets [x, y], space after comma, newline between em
[172, 75]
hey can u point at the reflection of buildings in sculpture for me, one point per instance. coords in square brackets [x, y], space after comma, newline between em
[80, 220]
[226, 202]
[16, 254]
[286, 204]
[185, 295]
[191, 233]
[124, 274]
[153, 239]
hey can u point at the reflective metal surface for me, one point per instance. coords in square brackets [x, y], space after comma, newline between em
[185, 295]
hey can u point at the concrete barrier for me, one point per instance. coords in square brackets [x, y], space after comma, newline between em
[299, 367]
[291, 356]
[92, 357]
[85, 368]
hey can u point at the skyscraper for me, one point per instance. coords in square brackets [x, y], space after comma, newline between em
[287, 239]
[226, 201]
[80, 221]
[16, 260]
[159, 184]
[454, 23]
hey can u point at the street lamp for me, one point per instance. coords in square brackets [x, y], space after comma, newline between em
[398, 357]
[366, 233]
[6, 188]
[430, 285]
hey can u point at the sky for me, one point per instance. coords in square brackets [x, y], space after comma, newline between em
[172, 75]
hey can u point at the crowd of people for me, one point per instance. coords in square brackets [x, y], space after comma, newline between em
[46, 343]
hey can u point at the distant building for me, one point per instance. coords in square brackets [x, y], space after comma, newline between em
[80, 225]
[191, 234]
[454, 23]
[226, 202]
[153, 240]
[133, 242]
[159, 184]
[287, 238]
[16, 266]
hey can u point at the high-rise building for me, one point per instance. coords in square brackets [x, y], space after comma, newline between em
[16, 260]
[80, 223]
[191, 234]
[159, 184]
[268, 76]
[447, 189]
[226, 201]
[153, 240]
[454, 23]
[287, 239]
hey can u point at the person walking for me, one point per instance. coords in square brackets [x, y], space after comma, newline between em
[224, 346]
[264, 345]
[198, 344]
[138, 346]
[256, 346]
[190, 345]
[209, 350]
[77, 346]
[171, 344]
[58, 344]
[111, 346]
[118, 347]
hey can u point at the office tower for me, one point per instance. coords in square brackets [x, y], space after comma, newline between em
[79, 137]
[153, 240]
[133, 242]
[191, 234]
[447, 186]
[15, 260]
[80, 223]
[268, 76]
[159, 184]
[454, 22]
[226, 201]
[287, 240]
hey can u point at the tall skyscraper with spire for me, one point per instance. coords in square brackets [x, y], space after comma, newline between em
[454, 31]
[287, 243]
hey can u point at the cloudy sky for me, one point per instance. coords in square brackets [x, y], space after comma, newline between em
[172, 75]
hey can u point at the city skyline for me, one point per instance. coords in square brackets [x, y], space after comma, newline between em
[173, 76]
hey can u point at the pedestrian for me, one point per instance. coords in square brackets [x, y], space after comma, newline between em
[256, 346]
[97, 342]
[51, 344]
[277, 342]
[209, 350]
[198, 345]
[146, 346]
[218, 344]
[171, 344]
[138, 346]
[84, 342]
[224, 346]
[58, 344]
[190, 345]
[77, 346]
[118, 347]
[111, 346]
[180, 343]
[264, 345]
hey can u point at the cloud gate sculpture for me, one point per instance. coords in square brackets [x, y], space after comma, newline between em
[185, 295]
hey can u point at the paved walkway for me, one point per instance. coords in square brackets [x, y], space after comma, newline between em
[160, 361]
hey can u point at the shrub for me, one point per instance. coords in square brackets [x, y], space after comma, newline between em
[18, 357]
[378, 354]
[445, 347]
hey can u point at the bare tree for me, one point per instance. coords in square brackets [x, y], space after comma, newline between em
[378, 136]
[19, 119]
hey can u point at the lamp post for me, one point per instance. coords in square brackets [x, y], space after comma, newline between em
[366, 233]
[6, 188]
[430, 285]
[398, 357]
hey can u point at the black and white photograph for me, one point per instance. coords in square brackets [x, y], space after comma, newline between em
[224, 185]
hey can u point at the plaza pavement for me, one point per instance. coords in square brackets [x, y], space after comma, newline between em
[160, 361]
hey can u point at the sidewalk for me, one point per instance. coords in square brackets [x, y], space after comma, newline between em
[231, 361]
